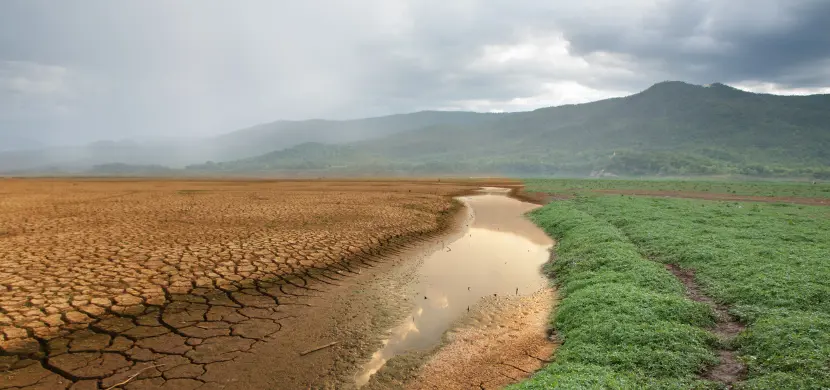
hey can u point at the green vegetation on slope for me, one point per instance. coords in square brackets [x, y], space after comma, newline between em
[672, 128]
[767, 262]
[745, 188]
[624, 320]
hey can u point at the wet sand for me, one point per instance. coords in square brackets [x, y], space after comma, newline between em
[492, 269]
[502, 343]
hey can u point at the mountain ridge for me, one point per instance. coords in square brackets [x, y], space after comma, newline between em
[669, 128]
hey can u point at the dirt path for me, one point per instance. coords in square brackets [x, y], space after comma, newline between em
[729, 370]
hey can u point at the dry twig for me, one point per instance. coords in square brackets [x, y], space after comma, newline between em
[318, 348]
[132, 377]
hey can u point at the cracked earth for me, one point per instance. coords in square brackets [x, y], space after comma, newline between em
[160, 284]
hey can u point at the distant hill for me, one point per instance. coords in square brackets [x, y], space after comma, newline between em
[235, 145]
[671, 128]
[118, 169]
[285, 134]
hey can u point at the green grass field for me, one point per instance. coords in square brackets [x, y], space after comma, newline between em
[745, 188]
[625, 321]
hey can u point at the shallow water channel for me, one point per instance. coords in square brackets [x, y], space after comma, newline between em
[500, 253]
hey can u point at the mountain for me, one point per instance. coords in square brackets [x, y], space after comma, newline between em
[243, 143]
[119, 169]
[285, 134]
[671, 128]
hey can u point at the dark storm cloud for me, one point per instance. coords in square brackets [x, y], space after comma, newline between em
[795, 55]
[776, 41]
[92, 69]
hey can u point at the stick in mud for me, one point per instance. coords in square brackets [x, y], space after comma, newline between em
[126, 381]
[318, 348]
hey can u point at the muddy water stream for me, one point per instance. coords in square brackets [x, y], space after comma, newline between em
[500, 253]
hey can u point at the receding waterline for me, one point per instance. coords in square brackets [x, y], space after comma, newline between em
[499, 254]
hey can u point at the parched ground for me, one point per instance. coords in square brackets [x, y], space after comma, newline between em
[145, 284]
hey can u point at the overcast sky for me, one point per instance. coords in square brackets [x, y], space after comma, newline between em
[86, 70]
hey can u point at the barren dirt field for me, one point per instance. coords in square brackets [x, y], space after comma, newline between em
[147, 283]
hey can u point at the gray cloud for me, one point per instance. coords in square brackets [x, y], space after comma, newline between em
[729, 41]
[95, 69]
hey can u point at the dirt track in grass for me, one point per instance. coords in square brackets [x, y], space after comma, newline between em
[729, 369]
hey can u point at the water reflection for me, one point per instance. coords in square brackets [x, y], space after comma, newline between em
[500, 254]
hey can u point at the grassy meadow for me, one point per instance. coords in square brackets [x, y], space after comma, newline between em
[625, 321]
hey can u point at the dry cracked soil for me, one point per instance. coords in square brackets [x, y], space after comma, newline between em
[161, 284]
